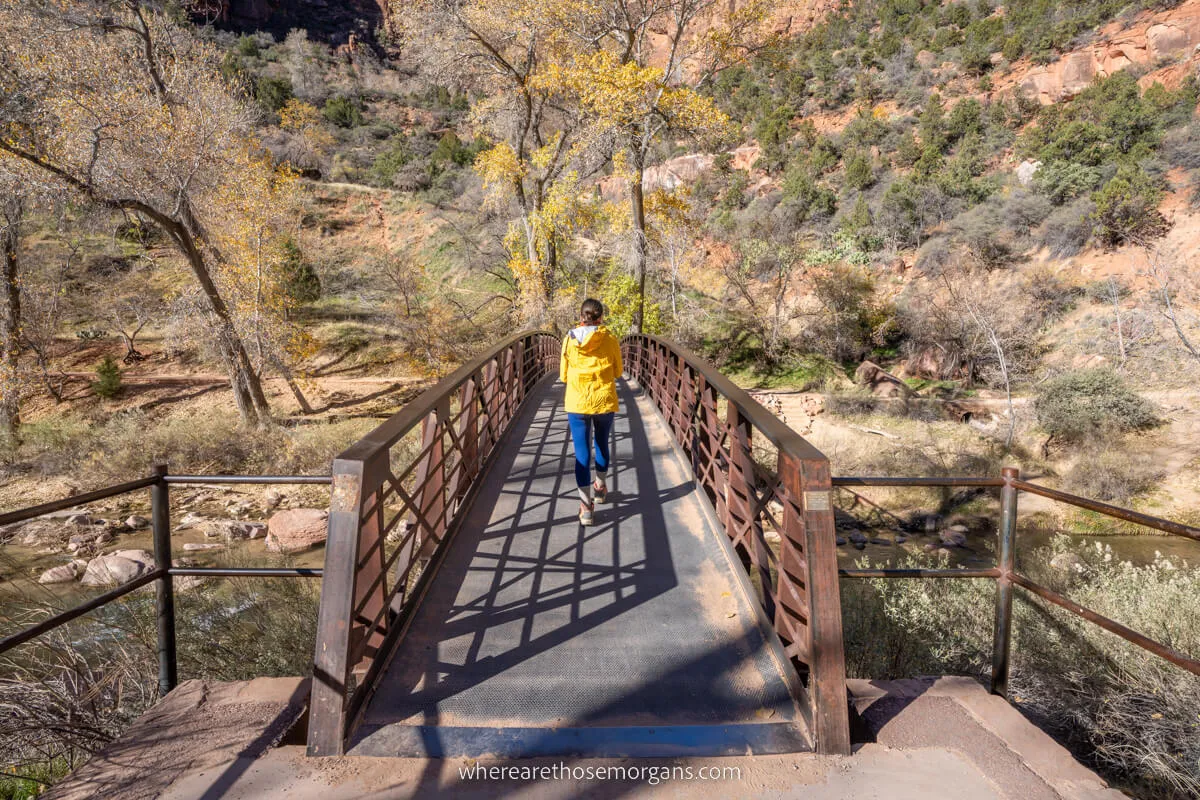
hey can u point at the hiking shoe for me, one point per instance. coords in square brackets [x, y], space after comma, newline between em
[601, 492]
[586, 517]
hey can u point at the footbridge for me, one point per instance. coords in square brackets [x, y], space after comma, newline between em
[465, 611]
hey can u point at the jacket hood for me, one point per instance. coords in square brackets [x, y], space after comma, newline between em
[586, 337]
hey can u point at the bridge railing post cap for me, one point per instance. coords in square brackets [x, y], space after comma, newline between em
[1011, 472]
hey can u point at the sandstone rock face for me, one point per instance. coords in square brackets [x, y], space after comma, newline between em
[678, 171]
[114, 569]
[1167, 35]
[297, 529]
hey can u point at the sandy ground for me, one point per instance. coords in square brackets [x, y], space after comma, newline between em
[944, 739]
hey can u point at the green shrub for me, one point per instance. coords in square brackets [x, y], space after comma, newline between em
[343, 111]
[859, 174]
[451, 150]
[1013, 48]
[1081, 404]
[966, 117]
[108, 379]
[247, 46]
[804, 198]
[391, 161]
[1061, 181]
[773, 133]
[300, 279]
[273, 93]
[1127, 209]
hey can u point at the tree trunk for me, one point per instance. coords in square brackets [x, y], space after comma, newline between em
[638, 202]
[286, 372]
[243, 379]
[550, 275]
[10, 323]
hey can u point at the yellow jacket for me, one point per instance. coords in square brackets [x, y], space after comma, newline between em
[590, 366]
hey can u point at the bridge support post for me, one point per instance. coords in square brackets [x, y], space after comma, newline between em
[1002, 634]
[809, 482]
[164, 590]
[331, 670]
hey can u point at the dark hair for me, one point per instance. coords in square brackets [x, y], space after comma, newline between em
[591, 310]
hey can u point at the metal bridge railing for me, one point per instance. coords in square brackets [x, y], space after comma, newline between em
[398, 495]
[159, 484]
[1005, 572]
[719, 427]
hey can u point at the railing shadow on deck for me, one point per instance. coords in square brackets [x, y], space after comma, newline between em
[636, 578]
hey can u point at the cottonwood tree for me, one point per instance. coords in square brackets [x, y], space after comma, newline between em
[42, 311]
[543, 147]
[765, 287]
[114, 101]
[638, 79]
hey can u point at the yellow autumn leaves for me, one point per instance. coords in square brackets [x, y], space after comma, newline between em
[620, 94]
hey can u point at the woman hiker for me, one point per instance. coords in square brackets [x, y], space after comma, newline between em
[590, 366]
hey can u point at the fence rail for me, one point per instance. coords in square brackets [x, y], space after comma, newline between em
[802, 598]
[392, 514]
[1005, 573]
[161, 576]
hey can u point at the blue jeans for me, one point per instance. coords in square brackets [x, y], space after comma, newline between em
[585, 428]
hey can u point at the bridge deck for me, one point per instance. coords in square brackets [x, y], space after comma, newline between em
[634, 637]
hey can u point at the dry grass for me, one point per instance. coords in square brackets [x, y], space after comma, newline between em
[1125, 711]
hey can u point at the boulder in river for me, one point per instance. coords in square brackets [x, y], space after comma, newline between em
[114, 569]
[43, 533]
[232, 530]
[190, 520]
[63, 573]
[194, 547]
[137, 522]
[953, 538]
[297, 529]
[272, 498]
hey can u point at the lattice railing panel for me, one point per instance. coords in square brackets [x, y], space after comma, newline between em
[398, 495]
[761, 478]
